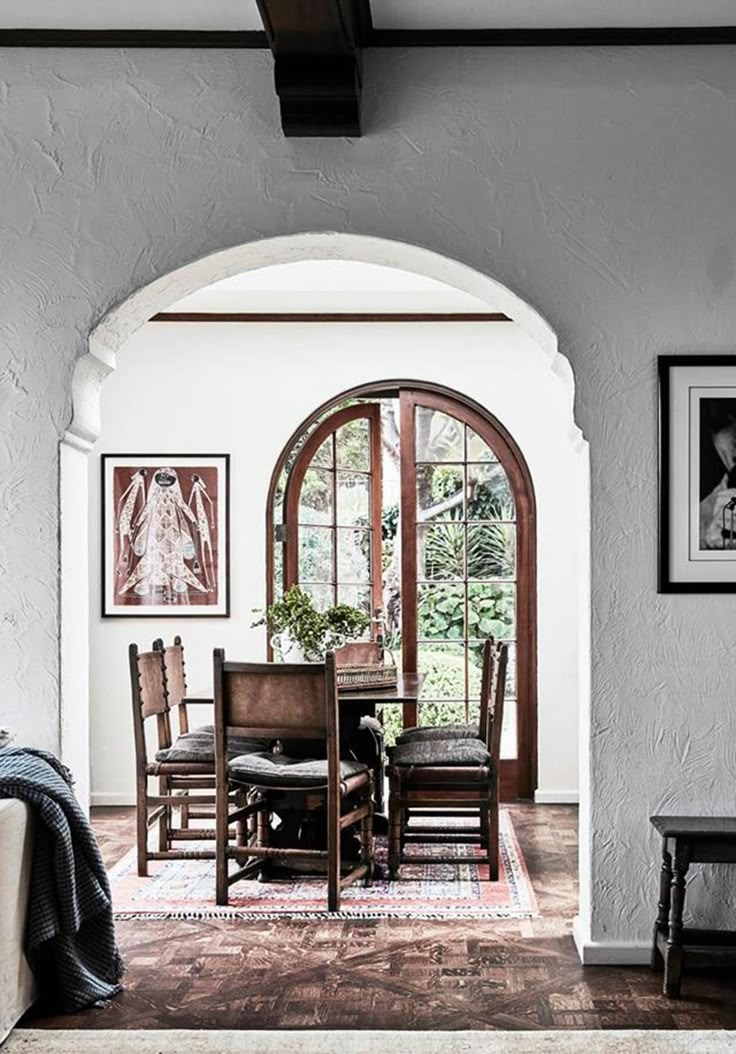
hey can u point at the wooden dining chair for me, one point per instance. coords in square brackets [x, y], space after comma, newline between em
[459, 730]
[192, 744]
[446, 776]
[197, 745]
[177, 779]
[285, 701]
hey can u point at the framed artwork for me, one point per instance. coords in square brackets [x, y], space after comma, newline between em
[165, 535]
[697, 474]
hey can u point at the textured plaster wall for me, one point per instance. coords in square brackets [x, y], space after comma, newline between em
[597, 184]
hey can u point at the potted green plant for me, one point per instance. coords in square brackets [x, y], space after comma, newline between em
[303, 634]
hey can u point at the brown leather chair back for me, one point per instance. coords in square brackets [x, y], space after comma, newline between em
[276, 700]
[176, 680]
[150, 697]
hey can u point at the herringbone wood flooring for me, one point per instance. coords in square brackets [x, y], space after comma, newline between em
[394, 974]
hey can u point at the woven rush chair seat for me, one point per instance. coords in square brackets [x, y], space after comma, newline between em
[278, 770]
[198, 746]
[441, 752]
[427, 732]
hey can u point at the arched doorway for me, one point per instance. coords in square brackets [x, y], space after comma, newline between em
[541, 368]
[409, 500]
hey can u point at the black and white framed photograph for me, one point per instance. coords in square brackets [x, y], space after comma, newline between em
[697, 474]
[165, 535]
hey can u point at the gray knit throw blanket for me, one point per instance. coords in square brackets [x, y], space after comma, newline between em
[70, 938]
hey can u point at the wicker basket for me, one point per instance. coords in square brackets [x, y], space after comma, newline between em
[358, 676]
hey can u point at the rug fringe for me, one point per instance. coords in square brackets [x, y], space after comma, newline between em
[316, 916]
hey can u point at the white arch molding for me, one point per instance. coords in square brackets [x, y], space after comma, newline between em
[100, 360]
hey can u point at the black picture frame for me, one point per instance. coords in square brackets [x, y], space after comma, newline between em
[173, 612]
[666, 583]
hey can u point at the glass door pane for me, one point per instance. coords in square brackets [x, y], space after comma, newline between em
[333, 511]
[466, 568]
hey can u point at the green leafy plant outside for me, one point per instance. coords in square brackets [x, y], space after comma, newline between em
[490, 611]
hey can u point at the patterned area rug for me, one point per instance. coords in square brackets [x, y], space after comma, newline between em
[186, 889]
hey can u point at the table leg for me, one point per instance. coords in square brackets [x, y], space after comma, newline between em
[663, 907]
[674, 956]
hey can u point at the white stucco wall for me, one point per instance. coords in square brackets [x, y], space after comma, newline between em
[222, 388]
[596, 183]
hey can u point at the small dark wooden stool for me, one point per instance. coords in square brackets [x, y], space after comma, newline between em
[689, 840]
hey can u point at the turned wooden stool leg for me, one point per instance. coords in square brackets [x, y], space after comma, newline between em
[663, 907]
[674, 955]
[241, 828]
[483, 828]
[394, 828]
[263, 832]
[164, 822]
[366, 840]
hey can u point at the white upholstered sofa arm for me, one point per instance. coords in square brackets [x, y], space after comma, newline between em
[17, 990]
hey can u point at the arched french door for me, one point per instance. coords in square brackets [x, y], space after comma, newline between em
[414, 500]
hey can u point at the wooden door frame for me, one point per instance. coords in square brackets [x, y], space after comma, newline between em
[514, 464]
[370, 412]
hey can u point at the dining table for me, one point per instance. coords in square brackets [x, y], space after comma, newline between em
[407, 689]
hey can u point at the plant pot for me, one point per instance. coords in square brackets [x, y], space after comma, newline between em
[291, 650]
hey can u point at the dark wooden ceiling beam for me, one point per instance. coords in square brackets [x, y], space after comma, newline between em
[134, 38]
[316, 46]
[584, 37]
[330, 316]
[631, 36]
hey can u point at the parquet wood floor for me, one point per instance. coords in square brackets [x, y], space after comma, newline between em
[394, 974]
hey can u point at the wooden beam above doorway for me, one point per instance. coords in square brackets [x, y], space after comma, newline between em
[316, 46]
[336, 316]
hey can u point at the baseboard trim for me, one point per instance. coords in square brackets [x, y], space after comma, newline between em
[111, 798]
[557, 797]
[609, 953]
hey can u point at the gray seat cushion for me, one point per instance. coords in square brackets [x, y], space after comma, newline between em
[427, 732]
[279, 770]
[438, 752]
[198, 746]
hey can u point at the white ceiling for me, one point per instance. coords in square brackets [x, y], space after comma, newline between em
[549, 14]
[316, 286]
[387, 14]
[132, 14]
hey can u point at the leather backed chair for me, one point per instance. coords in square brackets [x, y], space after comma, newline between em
[176, 778]
[462, 730]
[197, 744]
[176, 680]
[441, 776]
[285, 701]
[184, 767]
